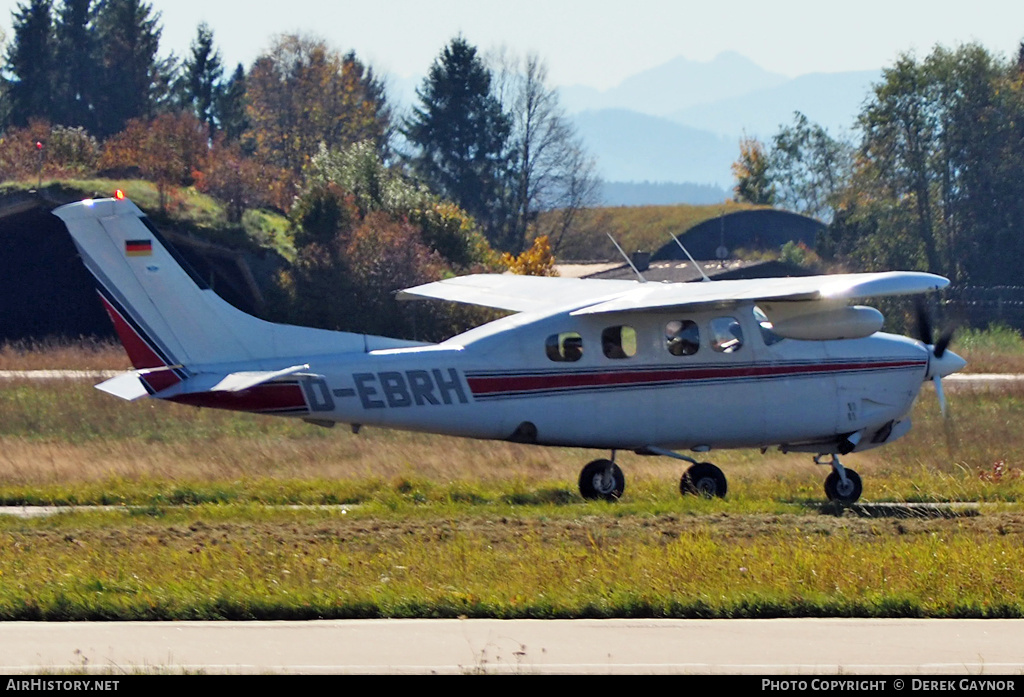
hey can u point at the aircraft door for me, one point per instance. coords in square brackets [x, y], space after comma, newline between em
[799, 388]
[717, 398]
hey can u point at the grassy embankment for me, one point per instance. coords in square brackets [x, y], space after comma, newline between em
[445, 527]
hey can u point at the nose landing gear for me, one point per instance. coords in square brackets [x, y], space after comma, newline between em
[842, 484]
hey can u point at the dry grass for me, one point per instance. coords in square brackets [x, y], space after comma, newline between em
[85, 354]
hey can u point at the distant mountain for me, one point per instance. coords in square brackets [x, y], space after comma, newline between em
[632, 147]
[675, 86]
[832, 100]
[680, 123]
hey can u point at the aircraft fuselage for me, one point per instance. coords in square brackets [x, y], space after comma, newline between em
[595, 382]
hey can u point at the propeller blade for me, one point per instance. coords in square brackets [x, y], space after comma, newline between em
[924, 322]
[940, 394]
[943, 343]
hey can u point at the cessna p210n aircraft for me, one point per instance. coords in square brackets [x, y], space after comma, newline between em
[655, 368]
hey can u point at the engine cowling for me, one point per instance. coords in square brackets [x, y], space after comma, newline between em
[848, 322]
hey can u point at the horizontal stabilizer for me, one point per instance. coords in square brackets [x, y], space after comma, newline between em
[236, 382]
[126, 386]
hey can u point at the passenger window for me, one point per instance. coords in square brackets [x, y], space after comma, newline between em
[564, 347]
[726, 335]
[682, 337]
[767, 330]
[619, 342]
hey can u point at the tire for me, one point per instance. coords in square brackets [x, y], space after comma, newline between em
[703, 479]
[835, 491]
[602, 479]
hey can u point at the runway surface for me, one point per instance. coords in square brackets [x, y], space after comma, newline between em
[728, 647]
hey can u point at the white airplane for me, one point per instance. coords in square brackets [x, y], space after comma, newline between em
[653, 368]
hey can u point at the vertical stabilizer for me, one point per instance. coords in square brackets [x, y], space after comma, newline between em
[166, 316]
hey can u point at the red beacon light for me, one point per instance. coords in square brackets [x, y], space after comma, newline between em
[119, 195]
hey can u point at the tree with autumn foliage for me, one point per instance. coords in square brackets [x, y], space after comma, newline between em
[243, 182]
[166, 149]
[538, 260]
[753, 183]
[301, 93]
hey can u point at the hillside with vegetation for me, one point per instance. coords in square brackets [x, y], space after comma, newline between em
[643, 228]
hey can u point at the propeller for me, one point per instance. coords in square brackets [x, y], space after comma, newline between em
[938, 363]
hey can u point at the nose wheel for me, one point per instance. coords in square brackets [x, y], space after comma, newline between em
[842, 484]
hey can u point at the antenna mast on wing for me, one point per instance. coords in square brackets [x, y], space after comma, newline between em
[626, 257]
[692, 260]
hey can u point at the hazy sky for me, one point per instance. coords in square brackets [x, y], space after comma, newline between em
[601, 42]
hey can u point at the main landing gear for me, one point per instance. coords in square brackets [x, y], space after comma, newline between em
[603, 479]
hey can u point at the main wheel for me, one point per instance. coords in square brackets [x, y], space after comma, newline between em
[703, 479]
[602, 479]
[836, 490]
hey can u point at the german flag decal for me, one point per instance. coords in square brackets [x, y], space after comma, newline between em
[138, 248]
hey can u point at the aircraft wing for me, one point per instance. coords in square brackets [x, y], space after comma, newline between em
[520, 293]
[812, 290]
[602, 296]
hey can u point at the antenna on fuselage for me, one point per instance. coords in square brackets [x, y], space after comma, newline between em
[626, 257]
[692, 260]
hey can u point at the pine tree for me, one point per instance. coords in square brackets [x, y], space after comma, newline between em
[229, 107]
[30, 62]
[460, 134]
[76, 53]
[129, 36]
[202, 74]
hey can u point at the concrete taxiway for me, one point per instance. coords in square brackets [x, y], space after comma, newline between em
[624, 646]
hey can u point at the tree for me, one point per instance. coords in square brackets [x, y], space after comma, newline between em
[76, 52]
[940, 176]
[30, 63]
[753, 183]
[202, 72]
[459, 135]
[301, 94]
[167, 150]
[372, 186]
[538, 260]
[549, 168]
[229, 107]
[129, 36]
[809, 168]
[242, 182]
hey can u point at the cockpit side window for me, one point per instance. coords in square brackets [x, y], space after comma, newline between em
[767, 330]
[726, 335]
[682, 337]
[565, 347]
[619, 342]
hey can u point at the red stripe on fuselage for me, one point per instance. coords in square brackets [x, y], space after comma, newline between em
[484, 386]
[262, 398]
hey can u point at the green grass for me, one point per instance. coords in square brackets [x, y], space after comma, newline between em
[202, 565]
